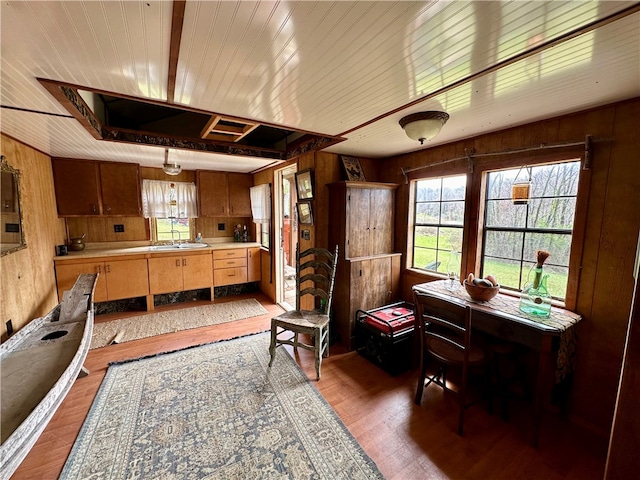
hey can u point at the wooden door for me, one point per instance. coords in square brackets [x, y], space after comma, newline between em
[239, 195]
[165, 274]
[197, 271]
[381, 220]
[120, 183]
[379, 282]
[254, 273]
[77, 187]
[127, 278]
[357, 217]
[213, 194]
[67, 274]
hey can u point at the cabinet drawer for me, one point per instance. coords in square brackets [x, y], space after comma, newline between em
[230, 263]
[229, 276]
[230, 253]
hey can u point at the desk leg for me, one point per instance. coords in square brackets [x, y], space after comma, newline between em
[542, 385]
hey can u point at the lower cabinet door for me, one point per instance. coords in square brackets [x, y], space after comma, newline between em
[165, 274]
[197, 271]
[66, 276]
[127, 278]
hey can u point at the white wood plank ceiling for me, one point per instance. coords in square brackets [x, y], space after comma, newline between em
[349, 68]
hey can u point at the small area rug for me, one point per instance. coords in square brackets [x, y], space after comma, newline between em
[151, 324]
[214, 411]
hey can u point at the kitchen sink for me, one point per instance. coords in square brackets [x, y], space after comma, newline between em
[181, 246]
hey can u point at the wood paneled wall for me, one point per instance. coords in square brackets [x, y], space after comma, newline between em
[27, 276]
[605, 281]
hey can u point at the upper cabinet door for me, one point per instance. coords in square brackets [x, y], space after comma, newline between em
[77, 187]
[358, 227]
[239, 195]
[213, 194]
[381, 220]
[120, 189]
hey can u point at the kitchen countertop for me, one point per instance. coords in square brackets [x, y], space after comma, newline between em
[148, 250]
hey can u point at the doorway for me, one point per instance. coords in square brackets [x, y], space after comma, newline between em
[286, 233]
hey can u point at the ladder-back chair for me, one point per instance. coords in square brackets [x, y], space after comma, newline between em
[316, 271]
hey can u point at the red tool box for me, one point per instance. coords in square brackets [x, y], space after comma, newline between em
[384, 335]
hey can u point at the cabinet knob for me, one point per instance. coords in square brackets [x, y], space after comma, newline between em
[99, 269]
[107, 208]
[178, 262]
[94, 208]
[108, 268]
[184, 262]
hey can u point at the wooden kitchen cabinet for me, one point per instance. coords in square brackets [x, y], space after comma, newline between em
[362, 216]
[222, 194]
[363, 284]
[239, 194]
[90, 188]
[254, 267]
[177, 273]
[229, 266]
[118, 277]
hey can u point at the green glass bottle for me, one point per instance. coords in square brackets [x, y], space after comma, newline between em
[535, 298]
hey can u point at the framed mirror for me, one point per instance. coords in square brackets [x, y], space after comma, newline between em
[12, 233]
[305, 216]
[304, 184]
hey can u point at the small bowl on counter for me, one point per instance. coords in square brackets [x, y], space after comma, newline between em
[480, 293]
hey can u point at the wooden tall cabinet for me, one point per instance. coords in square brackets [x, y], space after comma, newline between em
[368, 275]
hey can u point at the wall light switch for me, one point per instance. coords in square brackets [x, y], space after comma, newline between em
[222, 227]
[306, 234]
[118, 228]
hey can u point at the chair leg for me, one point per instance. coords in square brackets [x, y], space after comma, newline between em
[272, 345]
[420, 389]
[318, 352]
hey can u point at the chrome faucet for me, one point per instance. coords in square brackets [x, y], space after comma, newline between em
[173, 242]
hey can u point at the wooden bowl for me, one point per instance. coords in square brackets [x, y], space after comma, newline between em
[480, 293]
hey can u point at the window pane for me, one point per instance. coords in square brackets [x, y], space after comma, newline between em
[428, 212]
[504, 244]
[552, 213]
[555, 180]
[424, 258]
[179, 226]
[428, 190]
[504, 212]
[450, 239]
[558, 245]
[426, 237]
[452, 213]
[507, 272]
[499, 183]
[453, 188]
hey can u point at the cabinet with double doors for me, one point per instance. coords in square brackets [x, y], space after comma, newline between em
[177, 273]
[118, 277]
[92, 188]
[223, 194]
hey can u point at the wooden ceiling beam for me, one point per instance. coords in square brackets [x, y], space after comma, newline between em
[177, 21]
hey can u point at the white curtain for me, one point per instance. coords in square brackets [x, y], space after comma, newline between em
[169, 199]
[261, 203]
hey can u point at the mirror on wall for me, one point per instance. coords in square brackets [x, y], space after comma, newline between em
[11, 233]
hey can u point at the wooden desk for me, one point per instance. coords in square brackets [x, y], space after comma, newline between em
[501, 317]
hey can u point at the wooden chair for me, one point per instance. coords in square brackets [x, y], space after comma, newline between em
[444, 331]
[316, 271]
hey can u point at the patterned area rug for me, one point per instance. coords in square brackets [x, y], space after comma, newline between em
[214, 411]
[149, 325]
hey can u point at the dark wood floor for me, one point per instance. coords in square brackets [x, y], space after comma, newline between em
[405, 440]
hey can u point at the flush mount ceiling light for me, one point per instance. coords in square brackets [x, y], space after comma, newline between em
[170, 168]
[423, 126]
